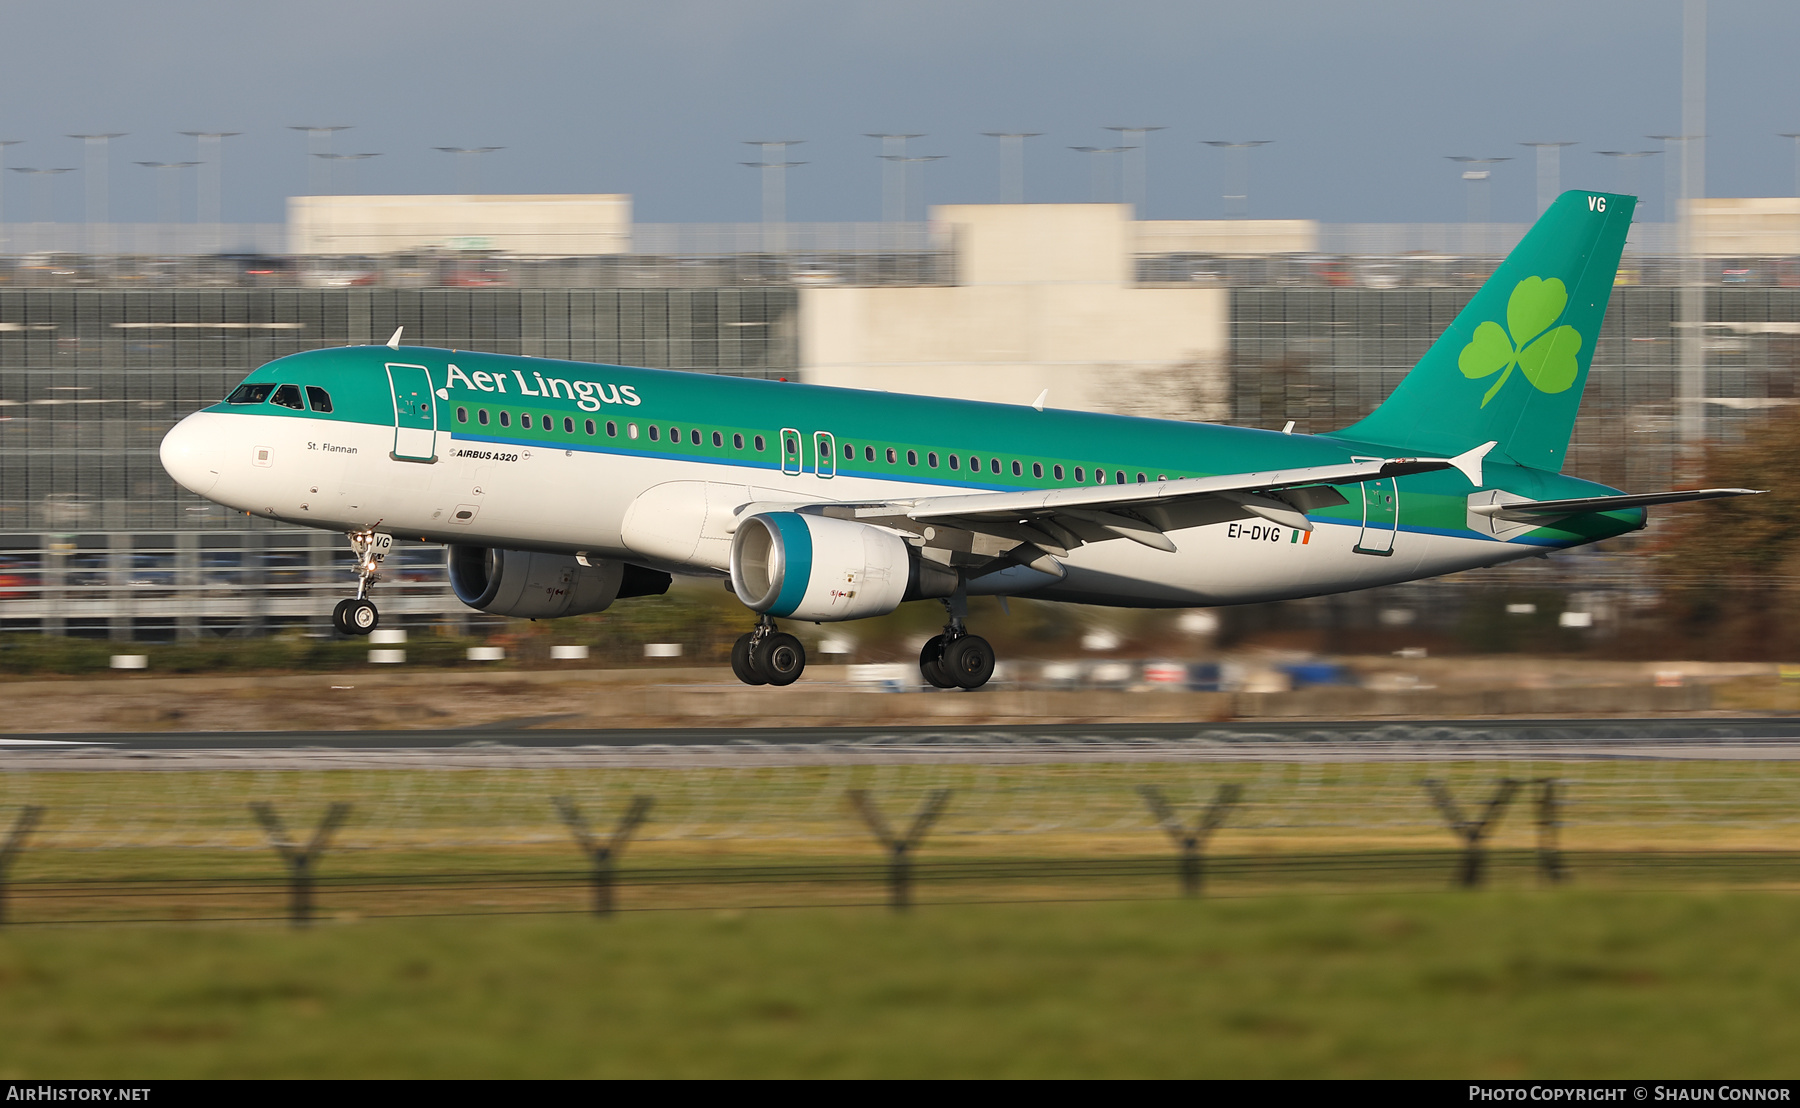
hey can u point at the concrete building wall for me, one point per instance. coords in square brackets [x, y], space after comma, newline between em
[1044, 300]
[1741, 227]
[1228, 236]
[550, 225]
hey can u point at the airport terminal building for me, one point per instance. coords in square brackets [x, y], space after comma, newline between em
[1251, 322]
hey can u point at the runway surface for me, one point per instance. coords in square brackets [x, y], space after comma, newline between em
[518, 743]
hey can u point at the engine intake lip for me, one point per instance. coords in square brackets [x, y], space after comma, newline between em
[475, 574]
[771, 560]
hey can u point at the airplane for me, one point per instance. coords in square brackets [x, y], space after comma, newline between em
[560, 487]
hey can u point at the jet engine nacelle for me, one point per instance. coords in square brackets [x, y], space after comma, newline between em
[824, 569]
[543, 586]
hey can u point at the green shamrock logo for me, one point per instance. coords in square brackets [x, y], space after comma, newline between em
[1547, 360]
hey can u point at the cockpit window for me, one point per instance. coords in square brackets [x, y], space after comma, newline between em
[288, 396]
[318, 398]
[249, 394]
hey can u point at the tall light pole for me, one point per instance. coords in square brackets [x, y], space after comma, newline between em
[893, 172]
[1671, 176]
[1237, 174]
[1692, 410]
[774, 166]
[209, 204]
[1549, 171]
[4, 143]
[97, 163]
[468, 165]
[1476, 176]
[1099, 179]
[904, 164]
[318, 141]
[168, 203]
[333, 160]
[40, 197]
[1012, 163]
[1629, 159]
[1136, 178]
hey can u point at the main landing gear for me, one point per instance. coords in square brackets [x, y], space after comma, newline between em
[358, 616]
[956, 659]
[767, 656]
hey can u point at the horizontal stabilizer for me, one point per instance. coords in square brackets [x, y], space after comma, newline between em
[1531, 511]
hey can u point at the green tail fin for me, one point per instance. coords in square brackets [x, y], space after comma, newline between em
[1511, 368]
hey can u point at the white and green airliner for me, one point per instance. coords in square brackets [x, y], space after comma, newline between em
[560, 487]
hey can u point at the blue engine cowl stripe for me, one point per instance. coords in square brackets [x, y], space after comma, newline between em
[795, 539]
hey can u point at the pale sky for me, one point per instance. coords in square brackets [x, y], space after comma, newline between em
[1362, 101]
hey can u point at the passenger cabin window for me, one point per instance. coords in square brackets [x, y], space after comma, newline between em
[1037, 470]
[569, 425]
[759, 444]
[694, 437]
[505, 419]
[912, 457]
[481, 417]
[612, 429]
[954, 459]
[1079, 478]
[653, 432]
[1119, 477]
[931, 458]
[249, 394]
[718, 439]
[320, 399]
[1057, 472]
[890, 455]
[1018, 470]
[737, 442]
[589, 428]
[462, 415]
[631, 431]
[994, 466]
[849, 453]
[288, 396]
[525, 421]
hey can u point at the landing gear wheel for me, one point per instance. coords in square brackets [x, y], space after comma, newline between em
[741, 664]
[931, 663]
[969, 661]
[779, 658]
[360, 617]
[337, 617]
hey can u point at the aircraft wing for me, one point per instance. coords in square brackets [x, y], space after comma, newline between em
[1033, 528]
[1540, 511]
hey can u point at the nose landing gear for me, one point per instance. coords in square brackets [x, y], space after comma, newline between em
[359, 616]
[767, 656]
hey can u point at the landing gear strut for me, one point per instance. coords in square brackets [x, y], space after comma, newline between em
[358, 616]
[956, 659]
[767, 656]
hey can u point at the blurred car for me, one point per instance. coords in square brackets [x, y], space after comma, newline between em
[476, 277]
[18, 580]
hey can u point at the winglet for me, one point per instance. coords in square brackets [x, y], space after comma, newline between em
[1469, 462]
[394, 343]
[1039, 402]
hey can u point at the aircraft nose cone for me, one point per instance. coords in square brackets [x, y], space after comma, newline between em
[189, 456]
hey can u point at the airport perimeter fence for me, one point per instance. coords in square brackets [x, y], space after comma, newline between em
[99, 835]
